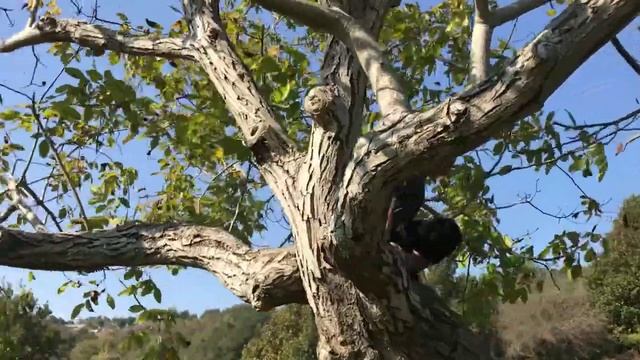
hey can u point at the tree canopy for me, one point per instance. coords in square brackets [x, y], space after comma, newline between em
[306, 114]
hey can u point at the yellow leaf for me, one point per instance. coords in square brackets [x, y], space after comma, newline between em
[218, 153]
[507, 241]
[273, 51]
[552, 12]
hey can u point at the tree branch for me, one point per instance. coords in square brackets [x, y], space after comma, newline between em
[273, 150]
[427, 143]
[8, 212]
[17, 201]
[263, 278]
[49, 29]
[635, 65]
[480, 42]
[388, 90]
[514, 10]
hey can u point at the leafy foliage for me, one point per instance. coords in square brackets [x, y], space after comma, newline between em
[615, 282]
[25, 329]
[107, 104]
[290, 334]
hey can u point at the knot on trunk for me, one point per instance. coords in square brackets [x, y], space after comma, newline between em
[322, 103]
[47, 24]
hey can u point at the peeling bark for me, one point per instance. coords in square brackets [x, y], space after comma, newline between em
[263, 278]
[336, 194]
[49, 29]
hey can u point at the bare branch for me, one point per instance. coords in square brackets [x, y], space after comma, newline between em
[33, 7]
[263, 278]
[629, 116]
[480, 42]
[8, 212]
[631, 140]
[17, 200]
[514, 10]
[40, 202]
[6, 12]
[635, 65]
[49, 29]
[388, 90]
[61, 165]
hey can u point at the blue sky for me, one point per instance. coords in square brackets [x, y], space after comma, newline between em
[602, 89]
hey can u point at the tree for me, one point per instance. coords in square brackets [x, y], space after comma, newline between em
[289, 335]
[223, 335]
[232, 103]
[614, 282]
[24, 330]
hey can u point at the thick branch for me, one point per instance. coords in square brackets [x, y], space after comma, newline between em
[480, 42]
[264, 278]
[635, 65]
[332, 20]
[514, 10]
[49, 29]
[273, 150]
[427, 143]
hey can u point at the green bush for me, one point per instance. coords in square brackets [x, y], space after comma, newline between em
[25, 332]
[290, 334]
[615, 282]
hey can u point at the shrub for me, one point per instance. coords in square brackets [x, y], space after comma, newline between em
[615, 282]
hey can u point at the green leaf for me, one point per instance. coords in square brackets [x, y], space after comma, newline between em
[124, 202]
[76, 310]
[94, 75]
[498, 148]
[136, 308]
[233, 146]
[578, 164]
[94, 222]
[9, 115]
[43, 148]
[75, 73]
[574, 237]
[505, 170]
[157, 295]
[130, 273]
[31, 276]
[575, 272]
[111, 302]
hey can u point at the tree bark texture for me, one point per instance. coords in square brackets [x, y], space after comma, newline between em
[336, 193]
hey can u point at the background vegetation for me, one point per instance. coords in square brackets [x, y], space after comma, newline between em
[594, 318]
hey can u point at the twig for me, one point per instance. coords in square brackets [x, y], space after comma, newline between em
[634, 138]
[286, 240]
[23, 184]
[635, 65]
[617, 121]
[8, 212]
[553, 279]
[35, 66]
[60, 163]
[572, 180]
[6, 14]
[18, 201]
